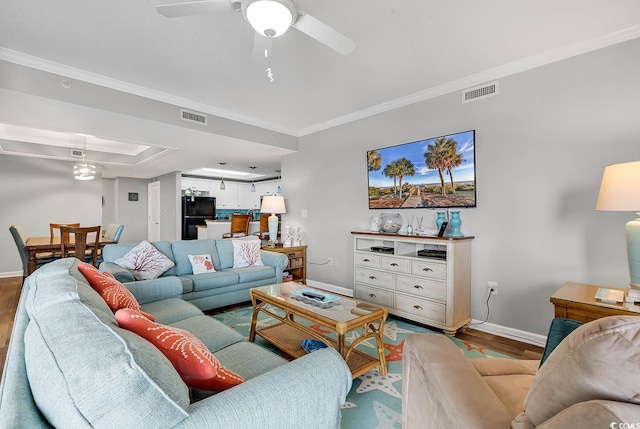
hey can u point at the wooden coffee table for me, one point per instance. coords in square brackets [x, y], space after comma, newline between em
[342, 317]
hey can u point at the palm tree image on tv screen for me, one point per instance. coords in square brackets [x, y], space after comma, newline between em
[434, 173]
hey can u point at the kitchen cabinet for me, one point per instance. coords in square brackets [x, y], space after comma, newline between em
[237, 195]
[434, 290]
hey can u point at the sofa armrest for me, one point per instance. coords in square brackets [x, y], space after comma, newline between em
[274, 259]
[593, 414]
[121, 274]
[304, 393]
[440, 386]
[146, 291]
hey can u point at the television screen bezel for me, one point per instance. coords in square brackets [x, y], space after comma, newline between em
[424, 141]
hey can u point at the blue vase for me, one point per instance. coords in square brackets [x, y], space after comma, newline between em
[440, 220]
[454, 224]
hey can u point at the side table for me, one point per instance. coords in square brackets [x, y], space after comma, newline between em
[297, 265]
[576, 301]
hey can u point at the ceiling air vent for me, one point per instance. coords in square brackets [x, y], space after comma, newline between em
[190, 116]
[77, 153]
[479, 92]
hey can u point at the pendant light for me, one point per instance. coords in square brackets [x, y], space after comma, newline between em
[84, 170]
[253, 183]
[222, 185]
[278, 189]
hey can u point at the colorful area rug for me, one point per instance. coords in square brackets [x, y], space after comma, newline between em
[374, 400]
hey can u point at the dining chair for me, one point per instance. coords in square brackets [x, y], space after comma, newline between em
[20, 238]
[56, 226]
[113, 233]
[239, 226]
[81, 235]
[264, 227]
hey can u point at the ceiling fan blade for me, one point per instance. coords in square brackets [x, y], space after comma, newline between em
[194, 8]
[324, 34]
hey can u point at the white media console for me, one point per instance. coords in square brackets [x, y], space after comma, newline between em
[434, 290]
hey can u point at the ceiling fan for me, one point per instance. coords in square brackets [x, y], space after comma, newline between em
[270, 18]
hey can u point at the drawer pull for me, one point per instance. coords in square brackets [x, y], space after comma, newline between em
[291, 254]
[427, 269]
[417, 307]
[393, 264]
[373, 277]
[366, 260]
[372, 295]
[417, 287]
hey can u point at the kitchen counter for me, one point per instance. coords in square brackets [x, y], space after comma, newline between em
[215, 228]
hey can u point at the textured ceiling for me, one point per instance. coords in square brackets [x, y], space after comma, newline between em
[404, 47]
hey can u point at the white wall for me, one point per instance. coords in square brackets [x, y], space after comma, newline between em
[541, 147]
[35, 192]
[132, 214]
[170, 208]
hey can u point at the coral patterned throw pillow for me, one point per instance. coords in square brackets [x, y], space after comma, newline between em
[112, 291]
[201, 264]
[246, 253]
[188, 355]
[145, 261]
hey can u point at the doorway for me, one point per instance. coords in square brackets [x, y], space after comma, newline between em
[153, 226]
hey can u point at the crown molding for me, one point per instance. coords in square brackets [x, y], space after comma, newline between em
[519, 66]
[512, 68]
[119, 85]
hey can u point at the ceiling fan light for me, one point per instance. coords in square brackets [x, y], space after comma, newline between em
[269, 17]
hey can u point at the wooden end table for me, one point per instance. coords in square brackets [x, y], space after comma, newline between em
[345, 316]
[576, 301]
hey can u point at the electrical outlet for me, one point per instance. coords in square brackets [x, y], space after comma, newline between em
[492, 287]
[330, 261]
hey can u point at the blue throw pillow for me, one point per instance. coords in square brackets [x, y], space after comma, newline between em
[559, 329]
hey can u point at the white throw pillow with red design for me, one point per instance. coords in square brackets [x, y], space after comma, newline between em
[246, 252]
[201, 264]
[145, 262]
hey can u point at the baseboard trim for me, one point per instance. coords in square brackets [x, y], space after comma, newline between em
[10, 274]
[511, 333]
[490, 328]
[330, 288]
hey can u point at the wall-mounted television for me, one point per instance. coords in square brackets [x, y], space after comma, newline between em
[437, 172]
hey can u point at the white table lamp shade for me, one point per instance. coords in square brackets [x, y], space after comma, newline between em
[620, 191]
[273, 204]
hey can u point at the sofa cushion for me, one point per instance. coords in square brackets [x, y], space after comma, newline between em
[81, 366]
[112, 291]
[214, 280]
[213, 333]
[183, 248]
[171, 310]
[191, 358]
[111, 252]
[225, 251]
[598, 360]
[145, 261]
[255, 273]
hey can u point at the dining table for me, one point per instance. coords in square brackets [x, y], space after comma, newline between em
[36, 245]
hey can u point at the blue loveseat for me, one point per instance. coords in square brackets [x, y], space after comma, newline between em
[70, 365]
[207, 291]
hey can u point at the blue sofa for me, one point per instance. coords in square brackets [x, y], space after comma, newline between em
[207, 291]
[70, 365]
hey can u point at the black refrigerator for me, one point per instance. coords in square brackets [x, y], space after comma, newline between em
[195, 210]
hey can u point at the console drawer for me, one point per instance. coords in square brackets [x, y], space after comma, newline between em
[363, 259]
[376, 296]
[395, 264]
[421, 307]
[375, 278]
[421, 286]
[429, 269]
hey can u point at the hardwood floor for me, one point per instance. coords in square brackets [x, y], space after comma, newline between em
[10, 293]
